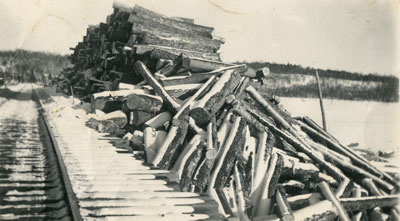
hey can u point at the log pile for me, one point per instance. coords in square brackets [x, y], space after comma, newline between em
[158, 81]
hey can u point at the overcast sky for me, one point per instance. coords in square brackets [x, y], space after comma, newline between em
[354, 35]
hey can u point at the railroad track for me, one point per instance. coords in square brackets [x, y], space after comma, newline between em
[57, 168]
[32, 186]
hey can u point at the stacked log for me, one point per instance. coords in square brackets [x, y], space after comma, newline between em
[158, 82]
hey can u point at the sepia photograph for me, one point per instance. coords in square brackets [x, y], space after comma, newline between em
[200, 110]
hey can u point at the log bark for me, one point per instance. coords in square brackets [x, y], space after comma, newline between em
[226, 156]
[182, 91]
[142, 69]
[206, 167]
[195, 78]
[151, 39]
[269, 185]
[369, 202]
[144, 102]
[190, 167]
[175, 138]
[234, 146]
[240, 198]
[210, 103]
[152, 16]
[142, 26]
[177, 169]
[164, 52]
[261, 159]
[296, 169]
[203, 64]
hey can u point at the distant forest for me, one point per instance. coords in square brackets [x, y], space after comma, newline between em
[290, 80]
[23, 65]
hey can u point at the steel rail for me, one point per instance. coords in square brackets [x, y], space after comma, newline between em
[71, 198]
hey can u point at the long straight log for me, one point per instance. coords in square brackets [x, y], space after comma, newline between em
[190, 166]
[175, 138]
[142, 69]
[284, 210]
[356, 193]
[208, 105]
[327, 193]
[369, 202]
[239, 195]
[195, 78]
[335, 146]
[140, 26]
[269, 185]
[170, 53]
[176, 171]
[206, 167]
[300, 146]
[226, 156]
[147, 38]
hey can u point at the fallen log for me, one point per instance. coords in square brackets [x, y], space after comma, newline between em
[175, 138]
[269, 185]
[327, 193]
[190, 166]
[142, 69]
[234, 146]
[356, 193]
[211, 102]
[340, 149]
[240, 198]
[177, 169]
[205, 168]
[226, 156]
[284, 210]
[369, 202]
[152, 140]
[304, 171]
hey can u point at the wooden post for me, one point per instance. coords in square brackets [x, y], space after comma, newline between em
[321, 103]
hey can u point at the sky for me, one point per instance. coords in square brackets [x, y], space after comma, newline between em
[357, 35]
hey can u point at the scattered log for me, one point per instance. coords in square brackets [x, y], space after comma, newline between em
[190, 166]
[327, 193]
[369, 202]
[284, 210]
[175, 138]
[142, 69]
[304, 171]
[177, 169]
[206, 167]
[239, 195]
[269, 185]
[208, 105]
